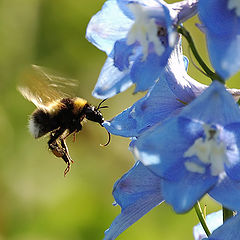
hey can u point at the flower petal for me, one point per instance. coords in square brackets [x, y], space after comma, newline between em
[108, 26]
[162, 147]
[184, 193]
[227, 192]
[137, 192]
[215, 106]
[223, 36]
[232, 140]
[123, 5]
[146, 73]
[111, 81]
[122, 53]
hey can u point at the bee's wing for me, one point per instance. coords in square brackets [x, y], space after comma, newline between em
[42, 87]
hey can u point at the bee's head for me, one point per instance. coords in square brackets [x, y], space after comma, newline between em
[93, 114]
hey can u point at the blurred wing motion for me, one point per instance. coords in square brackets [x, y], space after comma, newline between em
[42, 87]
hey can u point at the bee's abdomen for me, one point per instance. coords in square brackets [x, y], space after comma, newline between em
[40, 123]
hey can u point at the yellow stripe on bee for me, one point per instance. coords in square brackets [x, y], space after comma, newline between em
[79, 103]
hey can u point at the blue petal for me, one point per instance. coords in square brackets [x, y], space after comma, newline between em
[145, 73]
[137, 192]
[123, 5]
[122, 52]
[224, 54]
[220, 19]
[222, 32]
[231, 137]
[184, 193]
[162, 147]
[228, 231]
[123, 124]
[111, 81]
[227, 192]
[181, 84]
[108, 26]
[214, 220]
[214, 106]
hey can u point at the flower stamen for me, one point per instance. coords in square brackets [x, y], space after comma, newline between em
[144, 30]
[209, 150]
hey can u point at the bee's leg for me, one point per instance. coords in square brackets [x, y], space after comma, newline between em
[68, 132]
[64, 146]
[57, 148]
[77, 129]
[66, 157]
[54, 136]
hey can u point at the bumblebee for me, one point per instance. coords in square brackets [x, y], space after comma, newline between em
[58, 113]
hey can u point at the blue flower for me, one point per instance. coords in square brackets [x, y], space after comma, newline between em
[174, 90]
[137, 192]
[196, 152]
[138, 37]
[166, 98]
[221, 19]
[213, 220]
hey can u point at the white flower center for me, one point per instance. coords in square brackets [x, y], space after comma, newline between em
[209, 151]
[144, 30]
[234, 4]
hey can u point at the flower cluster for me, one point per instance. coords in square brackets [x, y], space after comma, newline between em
[185, 135]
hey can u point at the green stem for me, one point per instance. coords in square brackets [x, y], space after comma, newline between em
[207, 70]
[227, 213]
[201, 218]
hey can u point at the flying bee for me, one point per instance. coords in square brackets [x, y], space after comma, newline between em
[59, 113]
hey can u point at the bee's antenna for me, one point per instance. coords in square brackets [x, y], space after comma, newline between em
[103, 107]
[109, 139]
[99, 105]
